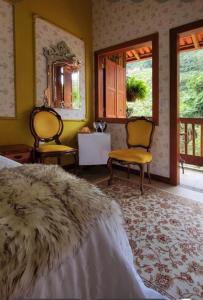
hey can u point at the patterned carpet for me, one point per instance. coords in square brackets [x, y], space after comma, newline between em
[166, 235]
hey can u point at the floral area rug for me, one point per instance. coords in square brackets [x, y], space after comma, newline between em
[166, 235]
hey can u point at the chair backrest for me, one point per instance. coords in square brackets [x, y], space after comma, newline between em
[46, 125]
[140, 132]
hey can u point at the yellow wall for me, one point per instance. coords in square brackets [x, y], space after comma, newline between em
[75, 17]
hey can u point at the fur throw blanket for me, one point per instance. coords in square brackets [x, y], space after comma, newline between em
[45, 214]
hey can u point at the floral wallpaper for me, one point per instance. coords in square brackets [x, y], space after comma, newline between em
[123, 20]
[46, 35]
[7, 85]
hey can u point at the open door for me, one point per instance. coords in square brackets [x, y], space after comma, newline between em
[186, 125]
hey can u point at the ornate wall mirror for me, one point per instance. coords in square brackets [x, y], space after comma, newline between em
[60, 70]
[63, 77]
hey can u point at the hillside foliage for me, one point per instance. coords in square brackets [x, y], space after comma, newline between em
[190, 83]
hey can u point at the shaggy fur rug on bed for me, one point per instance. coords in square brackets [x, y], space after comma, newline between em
[45, 213]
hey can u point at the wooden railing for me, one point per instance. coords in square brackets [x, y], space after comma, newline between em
[191, 141]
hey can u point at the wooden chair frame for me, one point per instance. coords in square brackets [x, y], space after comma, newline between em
[40, 156]
[141, 166]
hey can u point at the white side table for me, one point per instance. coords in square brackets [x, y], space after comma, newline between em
[93, 148]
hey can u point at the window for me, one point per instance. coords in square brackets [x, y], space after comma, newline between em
[126, 80]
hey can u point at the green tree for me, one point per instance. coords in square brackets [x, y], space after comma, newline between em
[192, 102]
[196, 87]
[191, 84]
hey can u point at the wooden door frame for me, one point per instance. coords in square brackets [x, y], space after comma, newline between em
[174, 101]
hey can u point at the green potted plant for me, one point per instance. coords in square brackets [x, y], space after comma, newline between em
[136, 89]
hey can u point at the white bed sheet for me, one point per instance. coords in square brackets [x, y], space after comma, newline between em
[7, 163]
[102, 268]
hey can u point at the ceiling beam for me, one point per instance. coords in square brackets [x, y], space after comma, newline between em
[195, 41]
[136, 54]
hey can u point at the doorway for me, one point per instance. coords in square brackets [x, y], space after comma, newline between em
[186, 105]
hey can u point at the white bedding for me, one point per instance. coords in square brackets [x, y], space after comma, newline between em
[7, 163]
[102, 268]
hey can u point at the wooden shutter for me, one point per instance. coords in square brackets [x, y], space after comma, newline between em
[67, 89]
[110, 92]
[100, 79]
[121, 92]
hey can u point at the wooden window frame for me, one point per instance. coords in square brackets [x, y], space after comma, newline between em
[174, 101]
[154, 38]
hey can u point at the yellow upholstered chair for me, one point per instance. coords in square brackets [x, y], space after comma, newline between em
[139, 139]
[46, 126]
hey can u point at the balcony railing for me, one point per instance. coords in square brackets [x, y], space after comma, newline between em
[191, 141]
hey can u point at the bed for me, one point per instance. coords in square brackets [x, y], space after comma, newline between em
[101, 268]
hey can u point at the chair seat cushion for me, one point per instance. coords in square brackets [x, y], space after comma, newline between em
[131, 155]
[54, 148]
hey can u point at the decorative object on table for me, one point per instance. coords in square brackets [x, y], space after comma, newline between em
[139, 135]
[60, 70]
[94, 148]
[46, 126]
[96, 126]
[100, 126]
[20, 153]
[85, 129]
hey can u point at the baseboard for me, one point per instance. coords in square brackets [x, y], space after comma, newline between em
[122, 168]
[136, 172]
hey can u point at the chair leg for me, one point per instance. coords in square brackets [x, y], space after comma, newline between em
[109, 165]
[182, 166]
[37, 158]
[33, 156]
[40, 159]
[148, 173]
[128, 171]
[76, 162]
[59, 160]
[141, 178]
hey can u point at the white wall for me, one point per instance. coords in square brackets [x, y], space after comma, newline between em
[120, 21]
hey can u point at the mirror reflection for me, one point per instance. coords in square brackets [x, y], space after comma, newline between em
[63, 76]
[66, 92]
